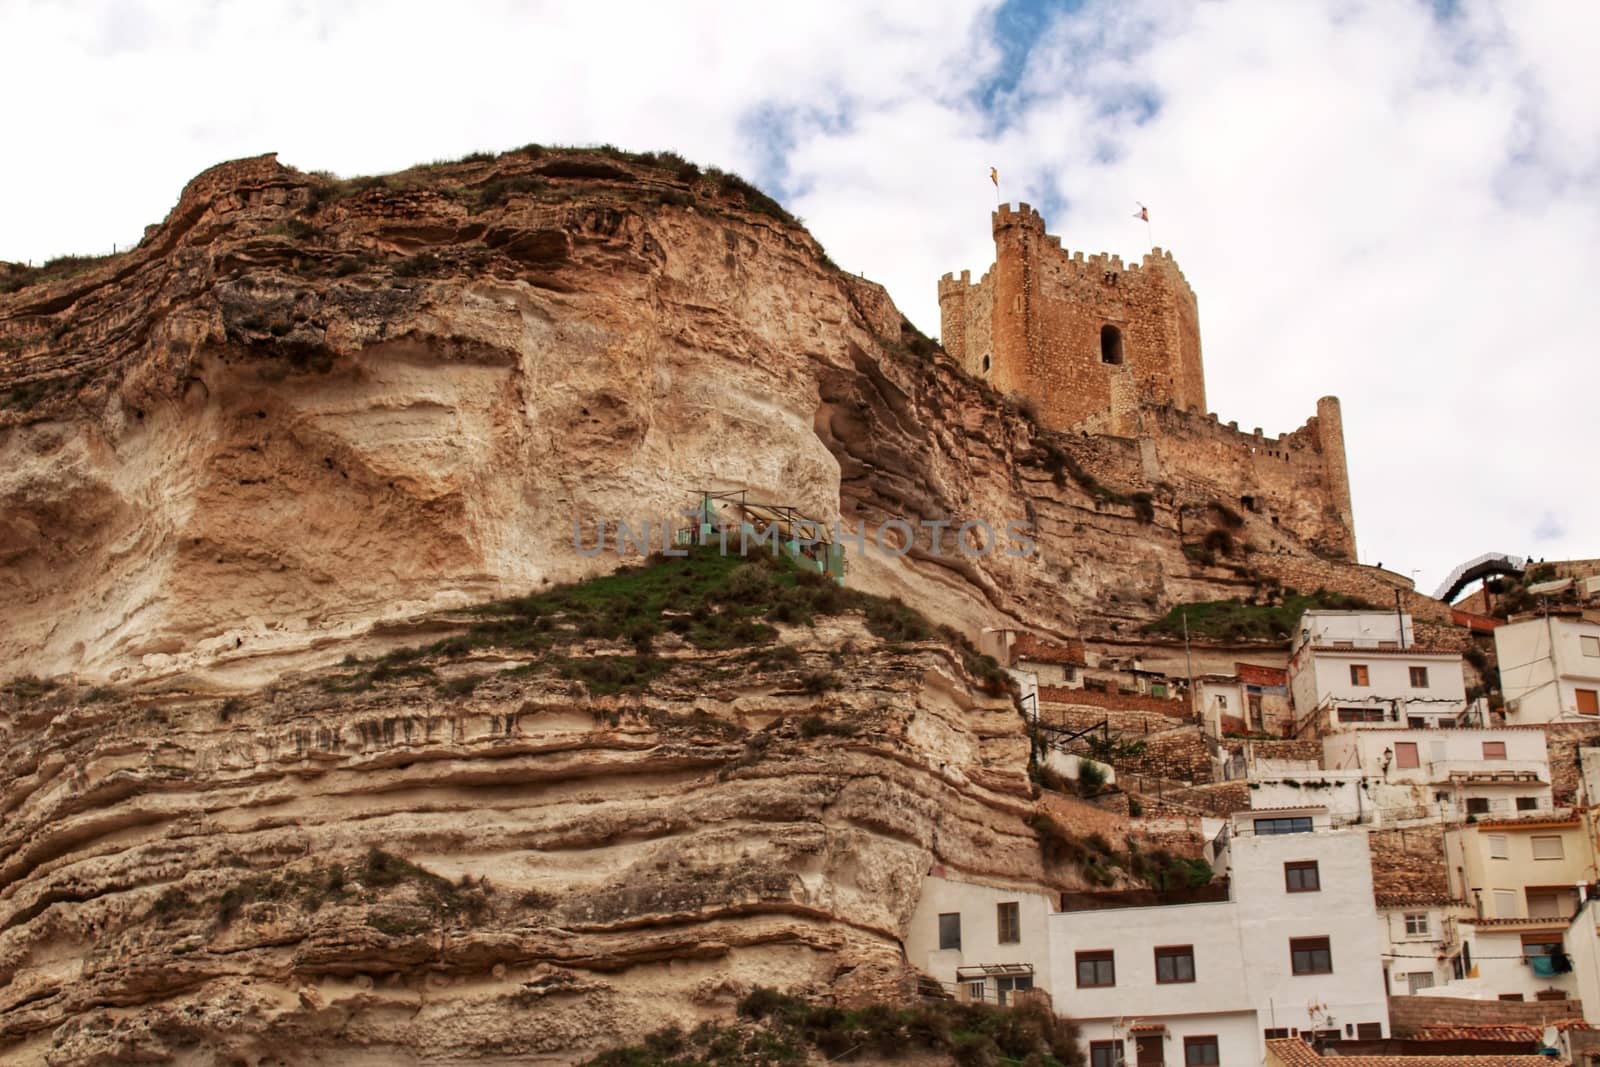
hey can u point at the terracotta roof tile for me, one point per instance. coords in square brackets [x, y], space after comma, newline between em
[1292, 1052]
[1344, 650]
[1503, 1032]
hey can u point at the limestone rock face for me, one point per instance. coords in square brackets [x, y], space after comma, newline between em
[301, 409]
[189, 880]
[306, 419]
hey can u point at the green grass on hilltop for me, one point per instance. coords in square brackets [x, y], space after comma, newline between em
[1234, 620]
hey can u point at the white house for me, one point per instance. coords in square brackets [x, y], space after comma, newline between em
[1308, 924]
[982, 941]
[1449, 774]
[1549, 668]
[1362, 667]
[1294, 948]
[1421, 944]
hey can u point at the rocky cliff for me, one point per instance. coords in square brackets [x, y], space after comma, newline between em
[512, 843]
[303, 408]
[271, 793]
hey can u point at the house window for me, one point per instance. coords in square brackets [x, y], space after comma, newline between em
[1590, 646]
[1416, 722]
[978, 990]
[1017, 983]
[1310, 955]
[1360, 714]
[1511, 996]
[1200, 1050]
[1419, 677]
[1297, 824]
[1010, 922]
[1505, 904]
[1222, 701]
[1358, 674]
[1274, 1032]
[1096, 969]
[1494, 750]
[1588, 701]
[1103, 1054]
[1417, 981]
[1499, 846]
[1477, 805]
[950, 930]
[1527, 803]
[1548, 848]
[1174, 964]
[1405, 754]
[1417, 924]
[1547, 903]
[1371, 1031]
[1302, 876]
[1110, 345]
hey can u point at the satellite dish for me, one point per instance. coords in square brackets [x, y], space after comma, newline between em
[1551, 1037]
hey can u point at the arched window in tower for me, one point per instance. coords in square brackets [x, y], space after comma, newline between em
[1110, 345]
[986, 363]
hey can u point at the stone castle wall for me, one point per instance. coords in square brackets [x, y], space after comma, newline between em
[1037, 319]
[1032, 326]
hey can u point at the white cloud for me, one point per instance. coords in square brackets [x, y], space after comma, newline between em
[1369, 200]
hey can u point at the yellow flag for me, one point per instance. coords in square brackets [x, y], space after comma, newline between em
[994, 176]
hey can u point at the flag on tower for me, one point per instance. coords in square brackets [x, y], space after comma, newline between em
[1144, 212]
[994, 176]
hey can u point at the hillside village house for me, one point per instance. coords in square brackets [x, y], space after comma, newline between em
[1253, 699]
[1531, 868]
[1524, 880]
[1549, 668]
[1449, 774]
[982, 942]
[1351, 668]
[1294, 948]
[1421, 943]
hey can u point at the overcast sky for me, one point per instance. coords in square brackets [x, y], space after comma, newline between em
[1397, 203]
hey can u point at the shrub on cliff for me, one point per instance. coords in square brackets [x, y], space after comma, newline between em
[776, 1030]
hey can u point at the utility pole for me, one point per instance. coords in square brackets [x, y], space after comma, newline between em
[1400, 617]
[1550, 639]
[1188, 664]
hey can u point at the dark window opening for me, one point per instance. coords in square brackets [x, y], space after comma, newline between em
[1175, 964]
[1201, 1051]
[1110, 345]
[1302, 876]
[986, 363]
[1310, 955]
[1096, 969]
[1009, 919]
[950, 930]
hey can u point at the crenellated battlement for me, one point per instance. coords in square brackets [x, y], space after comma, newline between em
[1101, 346]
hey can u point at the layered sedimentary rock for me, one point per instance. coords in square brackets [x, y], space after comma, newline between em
[184, 879]
[308, 419]
[302, 408]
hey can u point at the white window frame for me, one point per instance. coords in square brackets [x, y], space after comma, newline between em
[1418, 924]
[1499, 847]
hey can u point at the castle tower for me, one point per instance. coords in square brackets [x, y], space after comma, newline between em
[1087, 341]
